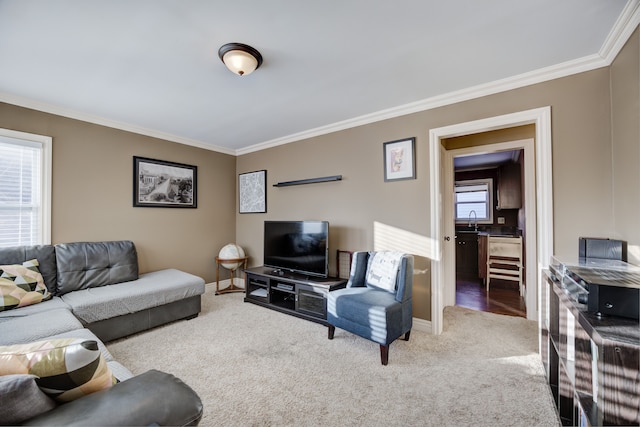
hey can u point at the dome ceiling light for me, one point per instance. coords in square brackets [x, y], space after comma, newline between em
[240, 58]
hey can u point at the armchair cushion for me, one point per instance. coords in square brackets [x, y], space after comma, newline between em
[370, 313]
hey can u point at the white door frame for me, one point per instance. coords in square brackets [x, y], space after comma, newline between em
[442, 265]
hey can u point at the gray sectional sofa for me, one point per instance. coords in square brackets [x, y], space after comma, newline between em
[98, 296]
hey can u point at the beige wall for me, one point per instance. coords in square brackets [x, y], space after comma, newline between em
[581, 166]
[355, 206]
[92, 180]
[625, 136]
[92, 192]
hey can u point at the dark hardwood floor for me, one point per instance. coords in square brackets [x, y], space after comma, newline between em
[503, 297]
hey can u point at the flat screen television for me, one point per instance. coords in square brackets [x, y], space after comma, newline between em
[297, 246]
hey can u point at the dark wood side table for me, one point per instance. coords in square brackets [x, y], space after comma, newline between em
[241, 264]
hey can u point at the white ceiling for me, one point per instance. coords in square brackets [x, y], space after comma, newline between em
[151, 66]
[480, 161]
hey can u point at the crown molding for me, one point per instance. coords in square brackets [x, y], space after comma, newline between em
[580, 65]
[624, 26]
[617, 37]
[90, 118]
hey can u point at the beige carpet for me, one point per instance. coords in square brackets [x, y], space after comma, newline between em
[256, 367]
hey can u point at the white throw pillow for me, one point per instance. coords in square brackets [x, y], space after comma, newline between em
[383, 269]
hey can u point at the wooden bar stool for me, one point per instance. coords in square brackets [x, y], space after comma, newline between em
[504, 260]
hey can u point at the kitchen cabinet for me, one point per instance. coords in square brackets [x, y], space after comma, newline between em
[467, 255]
[509, 187]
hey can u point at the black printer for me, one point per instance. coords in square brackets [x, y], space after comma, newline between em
[601, 278]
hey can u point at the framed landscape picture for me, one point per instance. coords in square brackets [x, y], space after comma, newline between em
[252, 192]
[163, 184]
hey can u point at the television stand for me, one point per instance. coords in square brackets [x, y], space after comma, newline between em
[291, 293]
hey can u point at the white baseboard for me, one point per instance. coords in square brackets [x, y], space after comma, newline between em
[238, 283]
[422, 325]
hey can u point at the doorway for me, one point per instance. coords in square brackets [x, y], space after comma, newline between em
[537, 173]
[489, 207]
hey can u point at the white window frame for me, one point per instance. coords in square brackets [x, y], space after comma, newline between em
[469, 182]
[46, 145]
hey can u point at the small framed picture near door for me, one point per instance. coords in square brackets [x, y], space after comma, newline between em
[252, 192]
[400, 159]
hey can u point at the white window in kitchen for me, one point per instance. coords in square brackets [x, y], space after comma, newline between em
[25, 189]
[474, 201]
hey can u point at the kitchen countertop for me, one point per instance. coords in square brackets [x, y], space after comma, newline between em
[488, 233]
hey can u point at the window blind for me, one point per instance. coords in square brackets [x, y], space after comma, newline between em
[20, 192]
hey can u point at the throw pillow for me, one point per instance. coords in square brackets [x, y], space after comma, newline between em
[22, 399]
[382, 270]
[67, 368]
[21, 285]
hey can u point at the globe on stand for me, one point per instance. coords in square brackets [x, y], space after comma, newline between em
[230, 257]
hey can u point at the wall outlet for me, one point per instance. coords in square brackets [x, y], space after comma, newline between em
[500, 220]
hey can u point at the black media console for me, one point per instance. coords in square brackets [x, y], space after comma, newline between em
[295, 294]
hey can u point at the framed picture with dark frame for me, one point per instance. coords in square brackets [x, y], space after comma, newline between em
[163, 184]
[399, 159]
[252, 194]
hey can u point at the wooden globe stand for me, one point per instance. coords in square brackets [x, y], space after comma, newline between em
[241, 262]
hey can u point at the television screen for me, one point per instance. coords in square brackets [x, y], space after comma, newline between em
[297, 246]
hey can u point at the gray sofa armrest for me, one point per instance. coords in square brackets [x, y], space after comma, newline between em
[151, 398]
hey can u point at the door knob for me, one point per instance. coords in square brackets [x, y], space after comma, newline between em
[447, 238]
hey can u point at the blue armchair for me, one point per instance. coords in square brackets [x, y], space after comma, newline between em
[377, 301]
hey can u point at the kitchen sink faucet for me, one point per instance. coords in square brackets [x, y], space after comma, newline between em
[475, 219]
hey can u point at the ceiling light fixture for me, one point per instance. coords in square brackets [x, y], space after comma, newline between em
[240, 58]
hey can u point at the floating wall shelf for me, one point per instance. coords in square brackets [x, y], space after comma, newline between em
[309, 181]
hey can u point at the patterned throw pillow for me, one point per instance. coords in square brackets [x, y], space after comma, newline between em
[67, 368]
[382, 269]
[21, 285]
